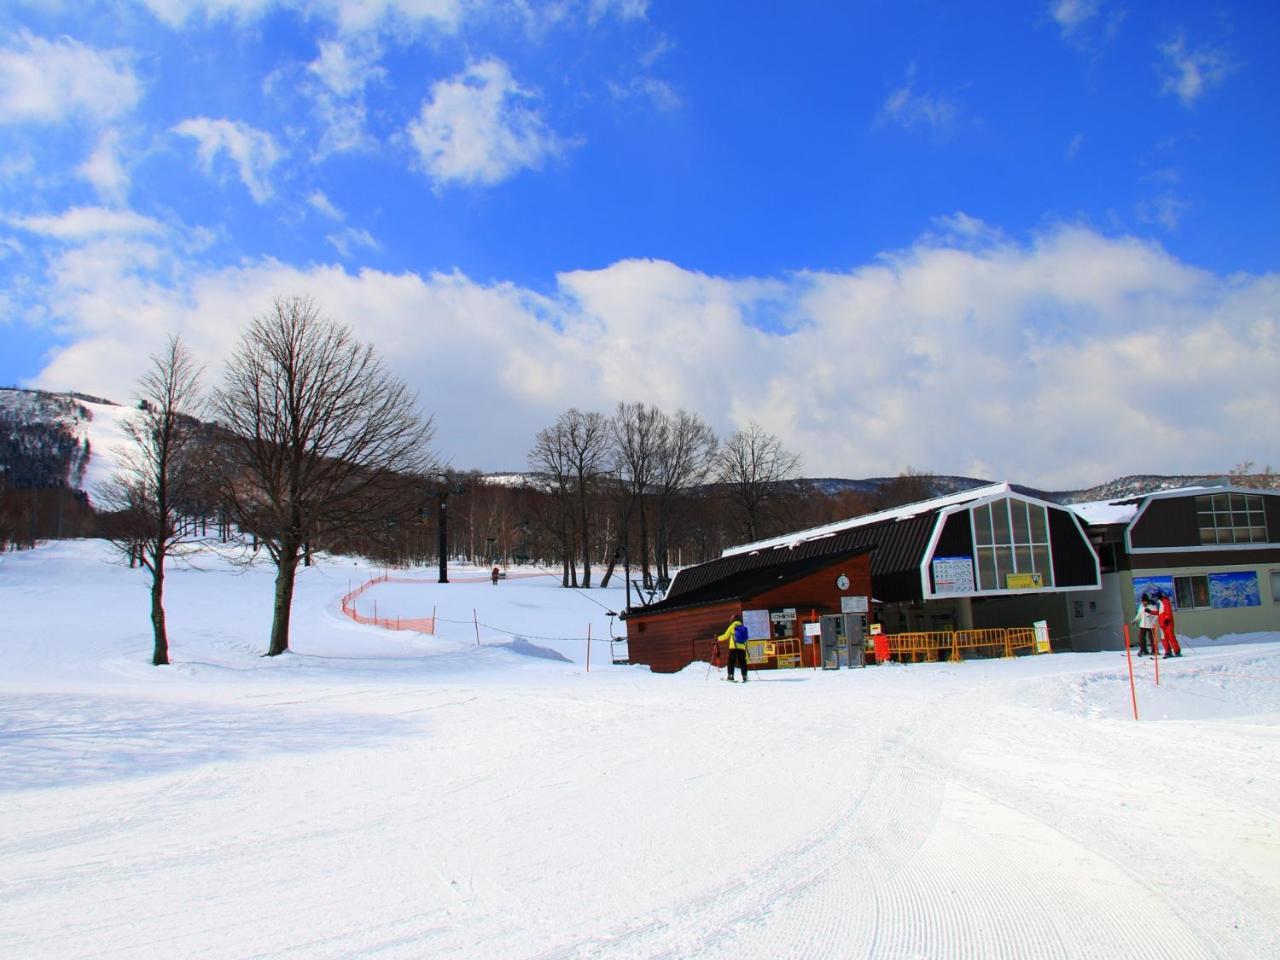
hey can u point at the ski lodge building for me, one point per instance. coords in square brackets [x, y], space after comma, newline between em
[992, 557]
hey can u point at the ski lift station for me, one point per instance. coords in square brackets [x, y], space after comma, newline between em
[991, 571]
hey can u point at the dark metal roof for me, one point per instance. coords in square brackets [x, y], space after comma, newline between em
[897, 548]
[746, 574]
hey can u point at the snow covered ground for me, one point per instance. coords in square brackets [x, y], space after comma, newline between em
[381, 794]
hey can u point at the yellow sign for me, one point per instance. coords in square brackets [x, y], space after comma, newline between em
[788, 660]
[1023, 581]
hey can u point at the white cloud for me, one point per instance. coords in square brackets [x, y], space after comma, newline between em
[909, 109]
[623, 9]
[86, 223]
[479, 128]
[1189, 73]
[104, 170]
[47, 81]
[336, 83]
[324, 205]
[349, 240]
[1070, 15]
[1165, 211]
[352, 16]
[1059, 361]
[253, 152]
[658, 92]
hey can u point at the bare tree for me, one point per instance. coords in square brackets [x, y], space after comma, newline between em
[910, 486]
[552, 458]
[321, 436]
[158, 476]
[637, 436]
[1247, 474]
[755, 471]
[588, 442]
[685, 457]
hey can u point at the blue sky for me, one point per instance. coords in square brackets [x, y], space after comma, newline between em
[960, 237]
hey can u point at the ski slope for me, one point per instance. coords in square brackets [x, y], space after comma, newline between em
[391, 795]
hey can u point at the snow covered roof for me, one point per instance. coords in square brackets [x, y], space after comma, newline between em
[904, 512]
[1124, 509]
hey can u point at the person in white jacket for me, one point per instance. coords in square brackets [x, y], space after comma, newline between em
[1146, 618]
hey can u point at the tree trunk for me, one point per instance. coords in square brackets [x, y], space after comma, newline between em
[288, 568]
[586, 541]
[645, 576]
[160, 657]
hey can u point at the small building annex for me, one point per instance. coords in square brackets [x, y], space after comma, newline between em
[1215, 550]
[793, 582]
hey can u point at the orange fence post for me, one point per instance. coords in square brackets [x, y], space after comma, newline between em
[1128, 655]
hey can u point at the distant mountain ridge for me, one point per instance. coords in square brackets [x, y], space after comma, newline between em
[67, 439]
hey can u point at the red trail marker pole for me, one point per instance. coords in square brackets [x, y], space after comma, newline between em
[1128, 655]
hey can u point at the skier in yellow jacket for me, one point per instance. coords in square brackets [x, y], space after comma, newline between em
[736, 636]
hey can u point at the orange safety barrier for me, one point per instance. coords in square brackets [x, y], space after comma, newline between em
[930, 645]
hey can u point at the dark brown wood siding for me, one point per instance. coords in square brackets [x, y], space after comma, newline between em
[1168, 522]
[670, 640]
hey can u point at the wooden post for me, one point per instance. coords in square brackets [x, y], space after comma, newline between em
[588, 648]
[476, 619]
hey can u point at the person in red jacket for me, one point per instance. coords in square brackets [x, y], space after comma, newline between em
[1167, 636]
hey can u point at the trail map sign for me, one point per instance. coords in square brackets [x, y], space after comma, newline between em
[953, 575]
[757, 624]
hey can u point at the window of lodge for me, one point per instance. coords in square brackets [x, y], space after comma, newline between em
[1231, 518]
[1011, 536]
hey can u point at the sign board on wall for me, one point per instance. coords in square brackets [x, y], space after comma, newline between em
[853, 604]
[1023, 581]
[1041, 628]
[953, 575]
[1235, 589]
[757, 624]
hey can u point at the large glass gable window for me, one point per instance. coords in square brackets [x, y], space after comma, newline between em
[1011, 536]
[1231, 518]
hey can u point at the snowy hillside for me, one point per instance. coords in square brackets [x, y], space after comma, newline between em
[96, 425]
[480, 794]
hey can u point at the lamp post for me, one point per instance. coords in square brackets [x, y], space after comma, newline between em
[442, 520]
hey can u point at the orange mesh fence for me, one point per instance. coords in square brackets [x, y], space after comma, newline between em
[417, 624]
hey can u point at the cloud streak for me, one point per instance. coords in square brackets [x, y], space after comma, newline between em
[252, 152]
